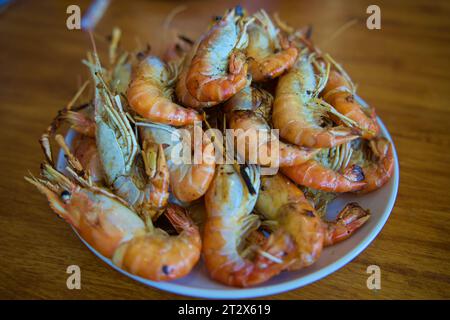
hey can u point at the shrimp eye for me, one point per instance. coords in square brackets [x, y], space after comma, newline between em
[65, 196]
[350, 99]
[310, 214]
[239, 10]
[140, 55]
[166, 269]
[217, 18]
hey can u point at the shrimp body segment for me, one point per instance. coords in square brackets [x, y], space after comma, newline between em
[298, 117]
[149, 94]
[229, 204]
[218, 69]
[268, 57]
[191, 181]
[158, 256]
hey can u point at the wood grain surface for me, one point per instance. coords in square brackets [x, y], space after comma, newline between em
[402, 69]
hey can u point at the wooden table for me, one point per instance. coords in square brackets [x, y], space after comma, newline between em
[403, 69]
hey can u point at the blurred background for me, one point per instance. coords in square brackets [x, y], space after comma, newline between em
[403, 70]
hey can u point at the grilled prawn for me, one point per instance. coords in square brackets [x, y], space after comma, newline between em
[229, 221]
[150, 94]
[300, 117]
[285, 206]
[110, 226]
[218, 69]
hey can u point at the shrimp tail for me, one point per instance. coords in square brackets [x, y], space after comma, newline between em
[354, 173]
[379, 172]
[276, 254]
[273, 66]
[350, 219]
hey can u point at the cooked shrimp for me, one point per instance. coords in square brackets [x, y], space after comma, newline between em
[275, 192]
[339, 91]
[229, 204]
[150, 91]
[188, 180]
[314, 175]
[285, 206]
[218, 69]
[376, 159]
[329, 171]
[269, 57]
[244, 118]
[112, 228]
[101, 218]
[158, 256]
[299, 116]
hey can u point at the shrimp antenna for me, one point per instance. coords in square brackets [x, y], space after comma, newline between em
[115, 39]
[94, 47]
[172, 14]
[77, 95]
[339, 31]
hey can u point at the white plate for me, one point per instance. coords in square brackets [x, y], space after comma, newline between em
[198, 284]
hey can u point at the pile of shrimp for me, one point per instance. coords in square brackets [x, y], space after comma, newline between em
[156, 218]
